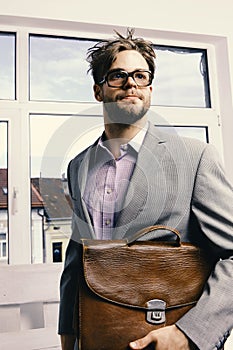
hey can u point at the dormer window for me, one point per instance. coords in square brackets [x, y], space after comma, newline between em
[4, 190]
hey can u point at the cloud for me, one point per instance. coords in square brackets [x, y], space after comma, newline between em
[59, 70]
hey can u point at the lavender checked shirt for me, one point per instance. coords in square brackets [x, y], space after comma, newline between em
[107, 184]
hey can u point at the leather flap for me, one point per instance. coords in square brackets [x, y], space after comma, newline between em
[131, 275]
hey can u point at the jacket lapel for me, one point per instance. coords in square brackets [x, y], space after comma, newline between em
[143, 200]
[82, 179]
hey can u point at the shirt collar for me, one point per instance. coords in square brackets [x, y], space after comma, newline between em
[135, 142]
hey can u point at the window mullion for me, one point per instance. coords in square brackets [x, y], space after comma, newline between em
[22, 66]
[19, 193]
[19, 212]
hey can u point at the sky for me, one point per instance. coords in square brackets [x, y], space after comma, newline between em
[3, 144]
[7, 67]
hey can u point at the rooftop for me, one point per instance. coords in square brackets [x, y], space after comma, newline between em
[47, 193]
[36, 199]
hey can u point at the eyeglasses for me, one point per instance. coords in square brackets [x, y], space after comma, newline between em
[117, 78]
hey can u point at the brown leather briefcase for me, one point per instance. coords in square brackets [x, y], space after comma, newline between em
[130, 287]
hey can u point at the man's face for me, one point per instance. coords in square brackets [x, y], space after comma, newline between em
[129, 103]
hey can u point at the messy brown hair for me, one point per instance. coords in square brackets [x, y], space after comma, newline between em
[102, 54]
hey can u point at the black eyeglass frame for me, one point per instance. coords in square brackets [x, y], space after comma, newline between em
[131, 74]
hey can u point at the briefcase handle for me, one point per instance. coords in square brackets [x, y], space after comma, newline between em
[144, 231]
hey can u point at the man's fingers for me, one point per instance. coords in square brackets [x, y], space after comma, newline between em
[143, 342]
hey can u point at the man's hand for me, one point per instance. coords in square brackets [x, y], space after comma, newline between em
[67, 341]
[167, 338]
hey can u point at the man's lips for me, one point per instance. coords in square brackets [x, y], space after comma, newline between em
[129, 97]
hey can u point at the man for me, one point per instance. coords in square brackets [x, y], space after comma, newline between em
[136, 176]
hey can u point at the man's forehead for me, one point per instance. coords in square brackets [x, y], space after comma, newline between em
[129, 60]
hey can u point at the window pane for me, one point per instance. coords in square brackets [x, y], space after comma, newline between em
[181, 77]
[3, 194]
[197, 132]
[57, 251]
[58, 69]
[7, 66]
[4, 249]
[50, 212]
[54, 141]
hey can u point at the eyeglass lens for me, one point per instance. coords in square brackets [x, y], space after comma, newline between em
[119, 78]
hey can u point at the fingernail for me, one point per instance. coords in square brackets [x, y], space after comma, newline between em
[133, 345]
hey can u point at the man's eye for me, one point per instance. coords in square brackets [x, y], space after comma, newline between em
[140, 76]
[117, 75]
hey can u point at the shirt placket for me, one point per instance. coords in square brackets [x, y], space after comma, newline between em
[109, 197]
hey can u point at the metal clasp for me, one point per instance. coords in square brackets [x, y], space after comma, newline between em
[155, 313]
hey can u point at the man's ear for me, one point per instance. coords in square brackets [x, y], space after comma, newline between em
[98, 93]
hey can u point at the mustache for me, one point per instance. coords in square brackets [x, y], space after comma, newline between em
[133, 94]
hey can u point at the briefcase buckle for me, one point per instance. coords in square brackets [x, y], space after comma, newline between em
[155, 313]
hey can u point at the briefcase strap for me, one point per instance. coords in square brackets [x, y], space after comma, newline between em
[144, 231]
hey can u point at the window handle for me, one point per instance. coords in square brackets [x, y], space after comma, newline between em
[15, 200]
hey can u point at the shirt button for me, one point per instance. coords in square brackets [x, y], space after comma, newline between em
[109, 190]
[124, 147]
[107, 222]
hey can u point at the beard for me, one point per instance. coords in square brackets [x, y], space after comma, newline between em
[125, 112]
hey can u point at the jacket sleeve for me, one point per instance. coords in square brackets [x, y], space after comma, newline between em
[68, 288]
[69, 278]
[73, 261]
[209, 323]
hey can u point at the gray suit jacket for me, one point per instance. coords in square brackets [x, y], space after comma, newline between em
[177, 182]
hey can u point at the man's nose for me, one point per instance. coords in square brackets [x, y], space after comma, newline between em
[130, 82]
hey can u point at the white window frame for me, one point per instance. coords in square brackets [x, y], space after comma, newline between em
[19, 245]
[17, 112]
